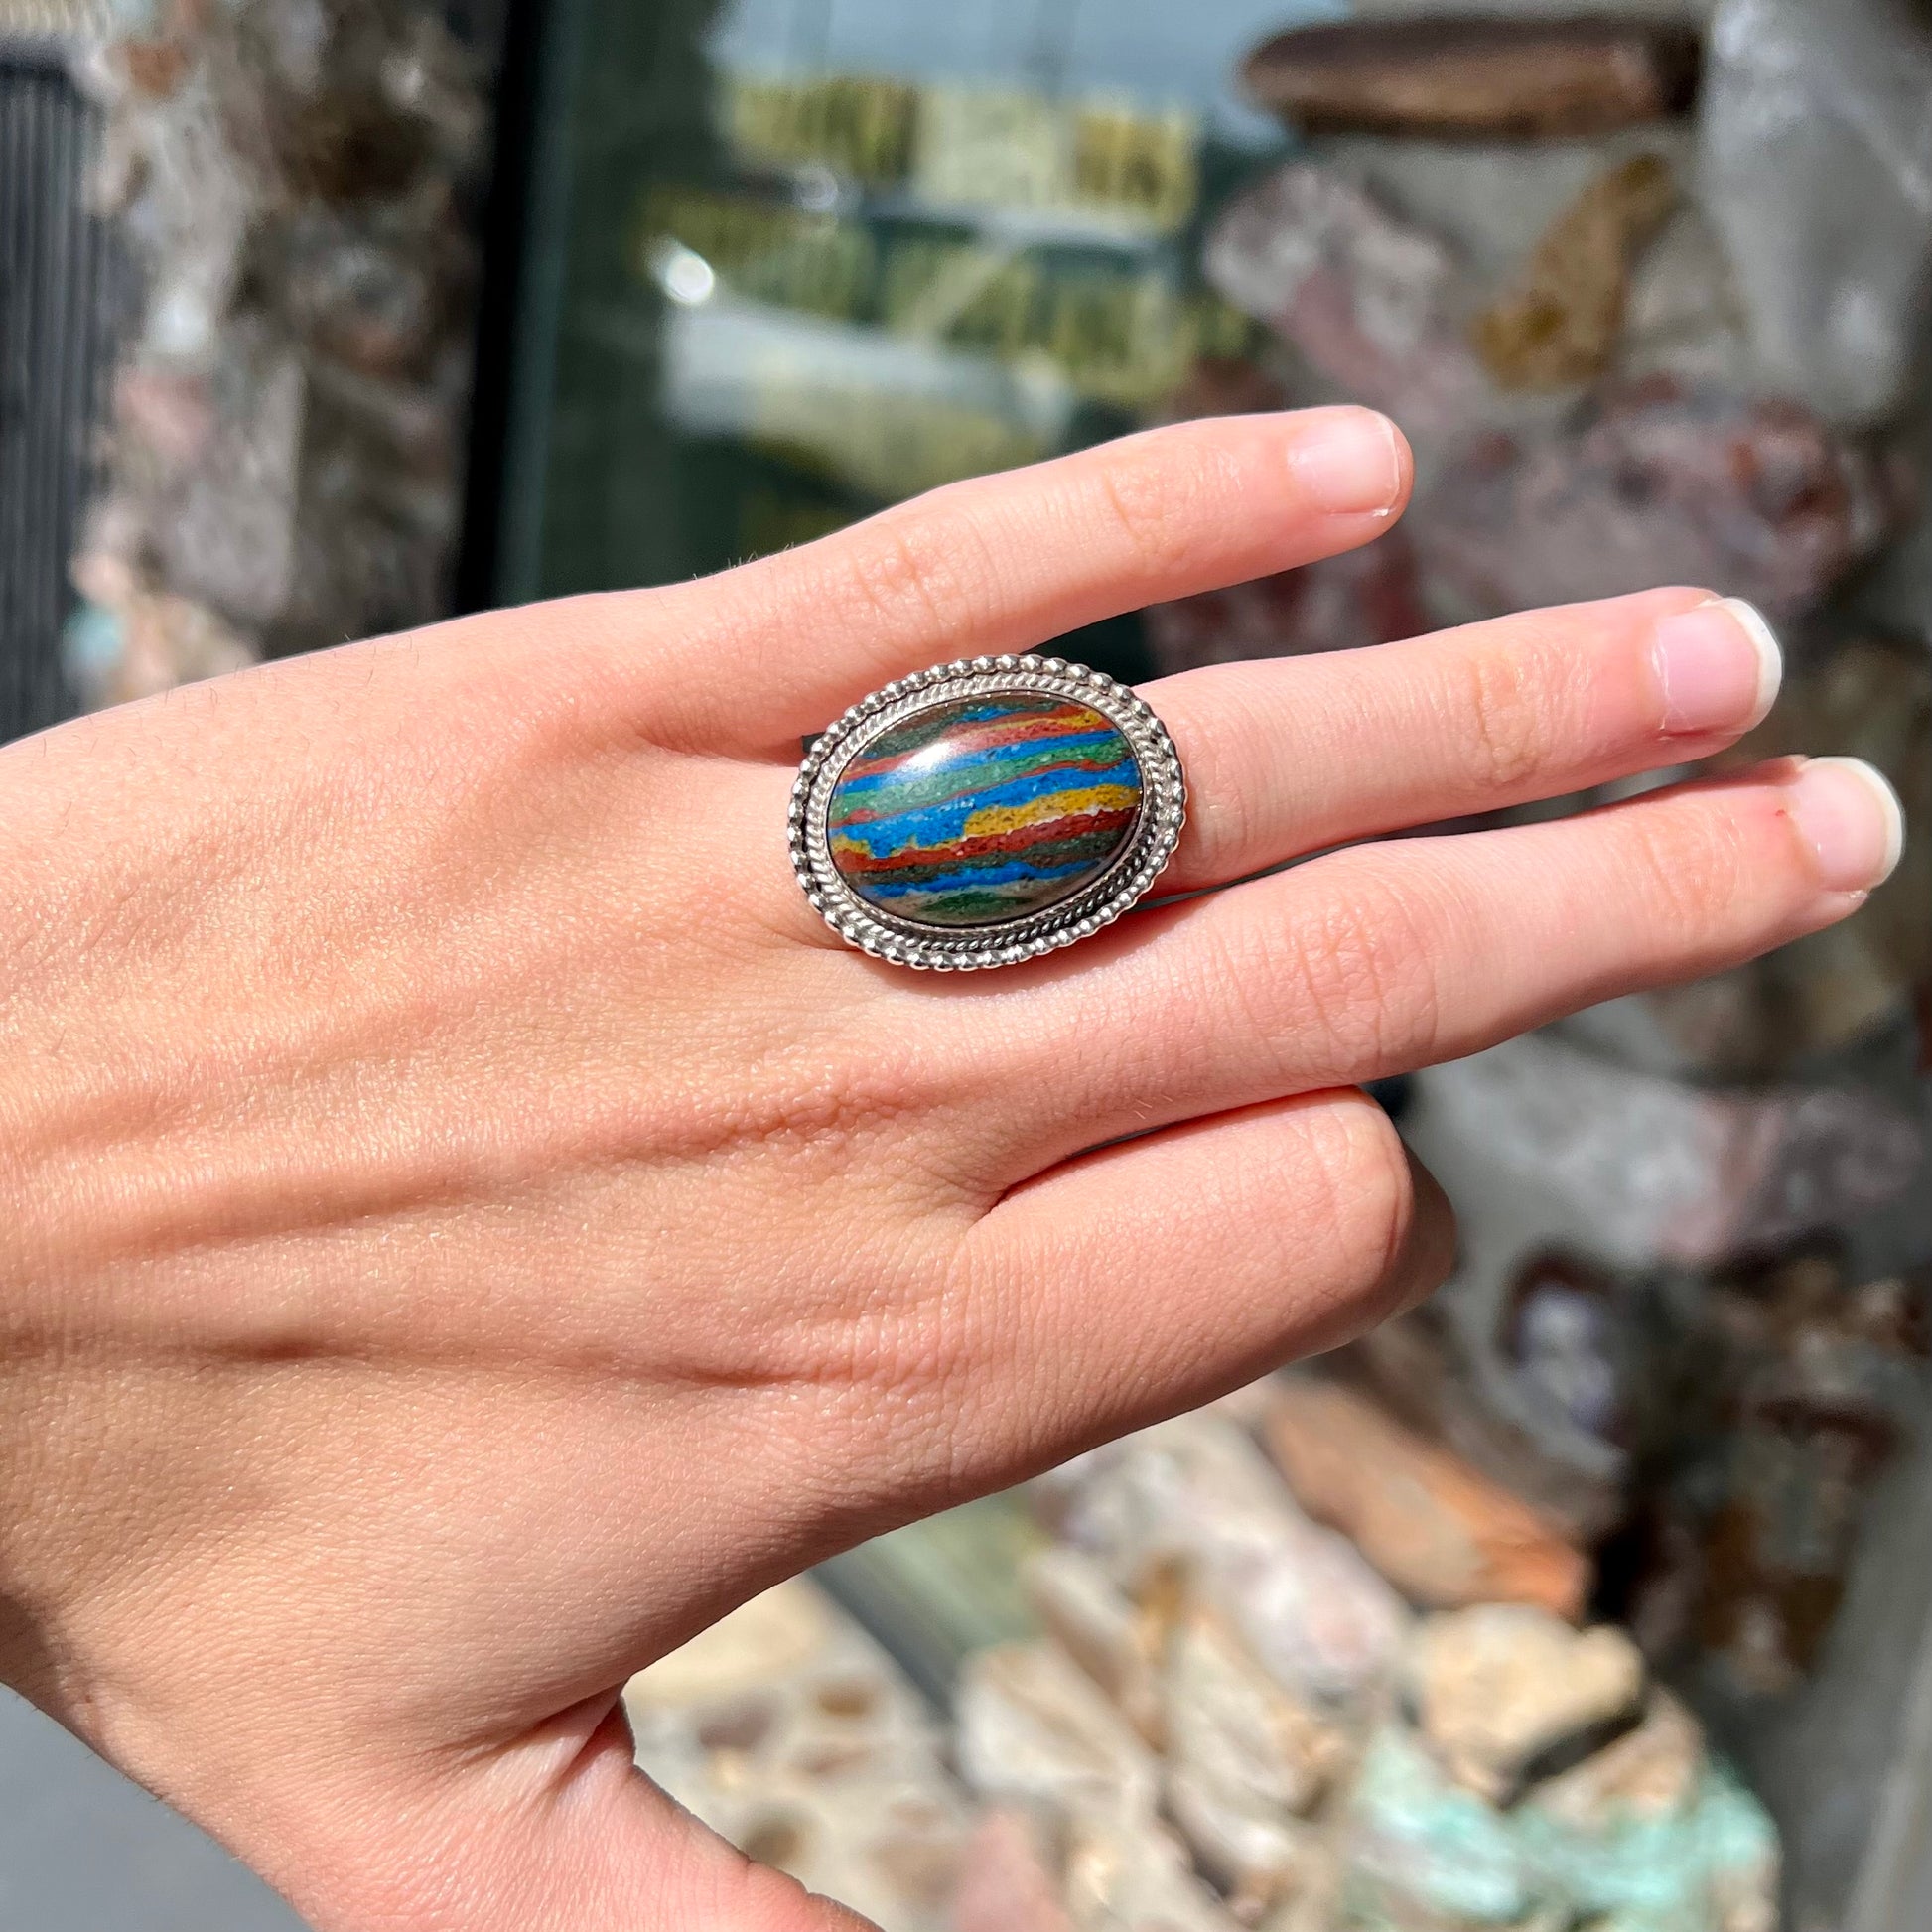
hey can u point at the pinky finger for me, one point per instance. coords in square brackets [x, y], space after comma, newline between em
[1156, 1274]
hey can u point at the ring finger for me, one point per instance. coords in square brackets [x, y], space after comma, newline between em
[1290, 755]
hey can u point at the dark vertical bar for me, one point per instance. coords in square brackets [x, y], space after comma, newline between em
[519, 83]
[56, 344]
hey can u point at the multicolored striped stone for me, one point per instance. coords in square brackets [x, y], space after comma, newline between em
[981, 810]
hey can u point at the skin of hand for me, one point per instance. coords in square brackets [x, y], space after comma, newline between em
[468, 1224]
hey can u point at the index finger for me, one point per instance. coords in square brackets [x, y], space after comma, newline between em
[764, 655]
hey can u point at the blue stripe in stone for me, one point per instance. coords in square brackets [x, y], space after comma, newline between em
[931, 825]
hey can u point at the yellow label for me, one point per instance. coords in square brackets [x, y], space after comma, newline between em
[854, 125]
[975, 146]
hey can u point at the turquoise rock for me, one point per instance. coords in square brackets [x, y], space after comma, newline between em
[1422, 1850]
[1417, 1840]
[1673, 1874]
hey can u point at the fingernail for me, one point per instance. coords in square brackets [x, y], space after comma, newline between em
[1717, 665]
[1850, 816]
[1351, 465]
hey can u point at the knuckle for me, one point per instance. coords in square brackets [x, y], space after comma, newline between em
[920, 568]
[1151, 504]
[1686, 865]
[1363, 970]
[1506, 714]
[1368, 1182]
[922, 1369]
[1395, 1236]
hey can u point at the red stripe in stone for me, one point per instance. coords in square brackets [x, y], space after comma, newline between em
[1070, 721]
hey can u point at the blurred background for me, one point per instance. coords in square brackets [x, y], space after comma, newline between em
[1596, 1595]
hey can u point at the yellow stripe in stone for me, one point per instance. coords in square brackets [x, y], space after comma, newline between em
[994, 819]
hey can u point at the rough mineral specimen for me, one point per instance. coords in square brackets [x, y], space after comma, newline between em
[1196, 1494]
[1362, 297]
[1036, 1735]
[1115, 1641]
[1639, 1169]
[1422, 1850]
[1439, 1530]
[1347, 602]
[1650, 1772]
[1657, 482]
[1504, 1773]
[1484, 77]
[1036, 1730]
[1796, 1385]
[1501, 1689]
[1244, 1764]
[1560, 324]
[1419, 1850]
[1442, 1380]
[1010, 1880]
[789, 1730]
[285, 446]
[1565, 1333]
[1133, 1876]
[1817, 172]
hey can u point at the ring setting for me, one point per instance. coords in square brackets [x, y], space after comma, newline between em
[986, 812]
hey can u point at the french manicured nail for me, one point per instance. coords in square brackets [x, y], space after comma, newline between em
[1848, 813]
[1717, 665]
[1350, 464]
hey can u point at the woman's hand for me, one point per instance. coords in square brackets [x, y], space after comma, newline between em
[467, 1222]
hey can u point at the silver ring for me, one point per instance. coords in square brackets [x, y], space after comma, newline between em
[985, 812]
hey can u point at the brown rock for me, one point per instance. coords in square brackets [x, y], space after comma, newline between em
[1561, 323]
[1423, 1370]
[1441, 1533]
[1477, 78]
[154, 67]
[1501, 1688]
